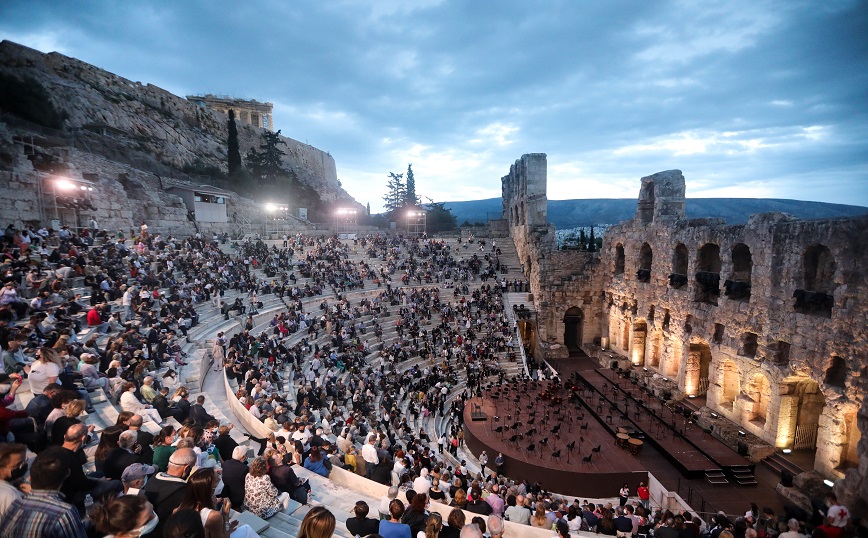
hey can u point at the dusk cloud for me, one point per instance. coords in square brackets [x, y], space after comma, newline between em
[752, 99]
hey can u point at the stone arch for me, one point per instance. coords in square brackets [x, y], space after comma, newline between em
[836, 373]
[646, 257]
[619, 259]
[573, 329]
[738, 285]
[697, 367]
[708, 266]
[640, 334]
[801, 405]
[819, 269]
[680, 259]
[729, 385]
[760, 393]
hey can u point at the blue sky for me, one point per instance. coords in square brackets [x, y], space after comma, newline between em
[747, 98]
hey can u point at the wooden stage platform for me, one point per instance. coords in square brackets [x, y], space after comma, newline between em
[593, 406]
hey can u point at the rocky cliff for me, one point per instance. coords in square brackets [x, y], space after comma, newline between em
[130, 139]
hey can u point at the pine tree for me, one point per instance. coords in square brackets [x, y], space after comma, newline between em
[369, 209]
[234, 151]
[592, 243]
[410, 197]
[266, 165]
[583, 241]
[397, 192]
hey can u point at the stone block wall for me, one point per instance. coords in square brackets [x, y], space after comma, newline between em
[766, 319]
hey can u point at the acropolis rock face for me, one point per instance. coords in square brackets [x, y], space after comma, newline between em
[765, 320]
[130, 139]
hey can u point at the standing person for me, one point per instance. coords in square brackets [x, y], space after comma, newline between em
[392, 527]
[483, 461]
[623, 495]
[644, 496]
[499, 462]
[369, 454]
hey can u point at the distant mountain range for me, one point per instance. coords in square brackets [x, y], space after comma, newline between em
[574, 213]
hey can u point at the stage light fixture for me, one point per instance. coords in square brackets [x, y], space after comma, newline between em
[787, 450]
[829, 483]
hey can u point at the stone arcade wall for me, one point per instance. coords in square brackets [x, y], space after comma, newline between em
[778, 372]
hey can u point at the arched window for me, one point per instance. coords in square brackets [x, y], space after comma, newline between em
[708, 274]
[737, 287]
[619, 259]
[678, 278]
[817, 295]
[836, 373]
[646, 257]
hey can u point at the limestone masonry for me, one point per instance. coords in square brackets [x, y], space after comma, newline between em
[766, 320]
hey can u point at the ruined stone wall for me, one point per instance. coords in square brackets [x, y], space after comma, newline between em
[767, 319]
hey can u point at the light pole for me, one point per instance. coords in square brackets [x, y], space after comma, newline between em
[275, 212]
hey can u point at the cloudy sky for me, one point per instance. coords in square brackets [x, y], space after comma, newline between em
[748, 98]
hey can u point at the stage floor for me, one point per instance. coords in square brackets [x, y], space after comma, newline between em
[611, 466]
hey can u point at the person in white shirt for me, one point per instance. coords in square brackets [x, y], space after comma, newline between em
[130, 403]
[45, 370]
[369, 454]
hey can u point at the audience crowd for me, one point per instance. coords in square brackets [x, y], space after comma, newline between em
[349, 372]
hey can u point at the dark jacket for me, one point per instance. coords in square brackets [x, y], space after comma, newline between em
[198, 413]
[225, 445]
[117, 461]
[234, 472]
[165, 492]
[363, 527]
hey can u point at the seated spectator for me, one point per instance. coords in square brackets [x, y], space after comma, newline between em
[135, 477]
[360, 524]
[44, 370]
[235, 471]
[13, 468]
[122, 457]
[127, 515]
[284, 478]
[14, 360]
[90, 374]
[129, 402]
[224, 442]
[94, 319]
[415, 515]
[317, 463]
[147, 390]
[166, 490]
[108, 442]
[8, 415]
[435, 494]
[163, 448]
[454, 524]
[164, 406]
[476, 504]
[392, 527]
[260, 495]
[386, 501]
[43, 512]
[198, 413]
[317, 523]
[73, 410]
[199, 496]
[78, 485]
[186, 523]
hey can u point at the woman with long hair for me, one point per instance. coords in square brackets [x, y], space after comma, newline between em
[538, 519]
[199, 496]
[317, 463]
[319, 522]
[260, 495]
[108, 441]
[433, 525]
[163, 448]
[127, 516]
[460, 499]
[415, 515]
[74, 409]
[45, 370]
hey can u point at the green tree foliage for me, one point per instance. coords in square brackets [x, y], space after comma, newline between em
[439, 219]
[26, 98]
[396, 192]
[583, 241]
[592, 243]
[266, 164]
[233, 149]
[410, 197]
